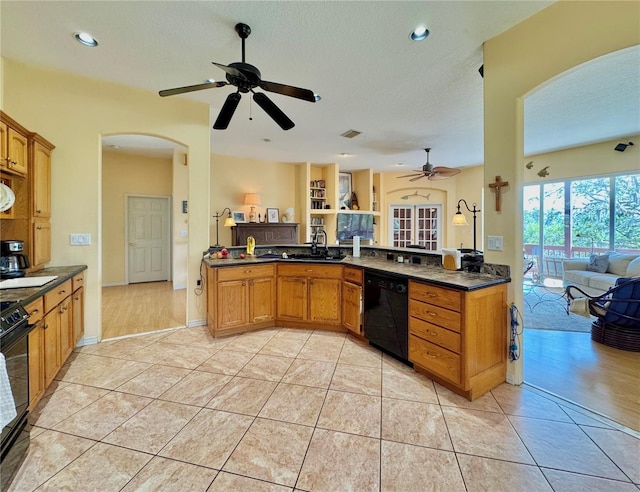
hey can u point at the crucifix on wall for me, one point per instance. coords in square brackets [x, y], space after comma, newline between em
[497, 187]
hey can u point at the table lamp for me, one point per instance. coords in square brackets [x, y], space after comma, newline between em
[252, 199]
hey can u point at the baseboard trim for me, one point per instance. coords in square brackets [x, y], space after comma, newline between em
[114, 284]
[87, 341]
[197, 322]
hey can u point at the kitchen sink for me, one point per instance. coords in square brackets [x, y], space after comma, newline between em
[307, 257]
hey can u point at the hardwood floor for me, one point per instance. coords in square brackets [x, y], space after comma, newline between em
[573, 367]
[141, 308]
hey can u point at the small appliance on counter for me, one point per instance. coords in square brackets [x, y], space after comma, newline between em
[13, 262]
[251, 245]
[451, 259]
[472, 260]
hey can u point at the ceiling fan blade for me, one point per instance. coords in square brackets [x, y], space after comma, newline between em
[288, 90]
[228, 108]
[274, 111]
[410, 175]
[234, 72]
[447, 172]
[419, 177]
[191, 88]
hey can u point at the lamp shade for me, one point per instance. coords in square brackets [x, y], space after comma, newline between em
[229, 222]
[252, 199]
[459, 219]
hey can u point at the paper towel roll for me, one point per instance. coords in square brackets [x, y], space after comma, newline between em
[356, 246]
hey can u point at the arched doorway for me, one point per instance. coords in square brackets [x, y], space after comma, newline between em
[144, 234]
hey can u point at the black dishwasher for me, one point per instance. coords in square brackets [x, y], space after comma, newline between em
[386, 305]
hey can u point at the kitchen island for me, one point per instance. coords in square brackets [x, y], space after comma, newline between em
[457, 321]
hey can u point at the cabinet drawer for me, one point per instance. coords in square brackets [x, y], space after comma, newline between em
[446, 298]
[434, 358]
[311, 270]
[58, 294]
[243, 272]
[435, 315]
[353, 275]
[78, 281]
[35, 310]
[435, 334]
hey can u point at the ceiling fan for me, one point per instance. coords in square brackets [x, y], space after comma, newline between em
[432, 173]
[246, 78]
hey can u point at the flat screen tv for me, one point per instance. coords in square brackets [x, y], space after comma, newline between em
[350, 225]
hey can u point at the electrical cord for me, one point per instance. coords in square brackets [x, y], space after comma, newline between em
[199, 289]
[514, 340]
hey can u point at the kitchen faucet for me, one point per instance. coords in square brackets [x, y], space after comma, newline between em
[314, 244]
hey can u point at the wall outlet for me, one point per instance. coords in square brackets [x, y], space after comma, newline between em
[494, 243]
[80, 239]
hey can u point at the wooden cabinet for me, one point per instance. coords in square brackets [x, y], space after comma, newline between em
[4, 147]
[40, 243]
[310, 293]
[241, 297]
[14, 148]
[77, 299]
[40, 178]
[36, 353]
[352, 300]
[264, 233]
[458, 338]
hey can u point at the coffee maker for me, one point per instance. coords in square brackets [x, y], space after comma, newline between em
[13, 262]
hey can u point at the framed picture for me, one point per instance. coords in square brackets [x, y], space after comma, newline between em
[344, 191]
[238, 216]
[273, 215]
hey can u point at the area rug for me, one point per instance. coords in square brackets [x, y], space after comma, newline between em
[545, 309]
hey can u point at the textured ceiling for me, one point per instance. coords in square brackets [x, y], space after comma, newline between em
[403, 96]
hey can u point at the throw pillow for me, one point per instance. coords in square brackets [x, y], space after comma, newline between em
[633, 270]
[598, 263]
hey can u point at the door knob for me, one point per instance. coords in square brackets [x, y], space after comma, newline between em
[132, 244]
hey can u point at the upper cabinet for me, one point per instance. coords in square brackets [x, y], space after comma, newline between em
[14, 147]
[25, 166]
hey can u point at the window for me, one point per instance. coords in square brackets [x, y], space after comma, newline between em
[578, 217]
[416, 225]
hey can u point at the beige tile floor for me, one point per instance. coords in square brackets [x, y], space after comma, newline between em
[288, 409]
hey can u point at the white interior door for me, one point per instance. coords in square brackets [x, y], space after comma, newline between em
[149, 246]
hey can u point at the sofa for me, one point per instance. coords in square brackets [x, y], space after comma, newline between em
[598, 273]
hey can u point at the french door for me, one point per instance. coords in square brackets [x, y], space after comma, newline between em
[416, 225]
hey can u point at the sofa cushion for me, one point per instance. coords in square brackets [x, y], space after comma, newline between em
[599, 263]
[618, 263]
[602, 281]
[577, 277]
[633, 269]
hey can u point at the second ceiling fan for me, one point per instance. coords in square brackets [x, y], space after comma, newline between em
[246, 77]
[430, 172]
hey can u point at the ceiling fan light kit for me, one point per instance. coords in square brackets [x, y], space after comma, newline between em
[246, 78]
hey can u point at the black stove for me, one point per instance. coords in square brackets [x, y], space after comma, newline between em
[12, 316]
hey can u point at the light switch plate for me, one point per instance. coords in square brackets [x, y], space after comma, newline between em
[80, 239]
[494, 243]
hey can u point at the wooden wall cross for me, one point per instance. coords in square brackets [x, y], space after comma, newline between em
[497, 188]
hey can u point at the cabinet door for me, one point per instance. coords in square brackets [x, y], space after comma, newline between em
[41, 247]
[36, 365]
[292, 298]
[232, 304]
[65, 313]
[325, 300]
[17, 150]
[262, 297]
[351, 295]
[40, 178]
[51, 346]
[4, 152]
[78, 315]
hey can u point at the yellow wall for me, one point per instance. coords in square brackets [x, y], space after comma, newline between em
[589, 160]
[180, 253]
[559, 38]
[73, 112]
[232, 177]
[124, 174]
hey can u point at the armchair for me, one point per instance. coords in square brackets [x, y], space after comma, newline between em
[617, 313]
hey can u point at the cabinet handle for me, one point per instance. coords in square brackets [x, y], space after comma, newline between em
[433, 334]
[433, 356]
[248, 271]
[429, 294]
[431, 313]
[38, 211]
[251, 282]
[309, 270]
[44, 327]
[38, 228]
[244, 283]
[77, 298]
[34, 312]
[62, 292]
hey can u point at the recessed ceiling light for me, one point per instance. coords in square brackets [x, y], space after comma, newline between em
[317, 97]
[86, 39]
[266, 140]
[419, 33]
[400, 164]
[209, 81]
[345, 154]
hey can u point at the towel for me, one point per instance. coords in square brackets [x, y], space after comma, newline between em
[7, 403]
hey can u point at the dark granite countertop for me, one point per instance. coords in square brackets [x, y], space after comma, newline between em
[28, 294]
[454, 279]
